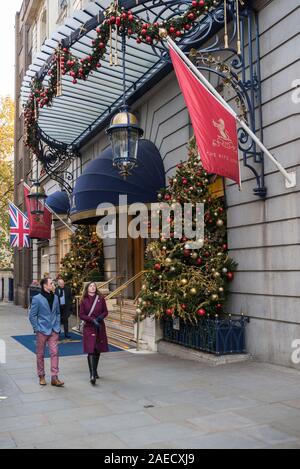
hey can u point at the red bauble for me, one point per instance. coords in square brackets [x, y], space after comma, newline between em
[183, 307]
[230, 276]
[186, 253]
[157, 267]
[201, 312]
[199, 261]
[169, 312]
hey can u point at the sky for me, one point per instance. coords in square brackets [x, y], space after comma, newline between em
[7, 45]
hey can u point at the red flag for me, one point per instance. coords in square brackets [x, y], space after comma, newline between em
[39, 229]
[215, 128]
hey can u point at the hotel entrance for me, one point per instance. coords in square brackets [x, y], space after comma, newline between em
[130, 262]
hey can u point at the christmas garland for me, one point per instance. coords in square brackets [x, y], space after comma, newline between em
[122, 22]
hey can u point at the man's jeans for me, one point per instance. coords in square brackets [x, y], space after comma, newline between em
[52, 341]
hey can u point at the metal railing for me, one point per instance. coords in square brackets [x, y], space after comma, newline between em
[119, 294]
[211, 335]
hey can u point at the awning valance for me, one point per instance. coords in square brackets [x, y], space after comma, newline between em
[102, 183]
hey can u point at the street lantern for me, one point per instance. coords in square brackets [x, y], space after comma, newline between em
[37, 199]
[125, 133]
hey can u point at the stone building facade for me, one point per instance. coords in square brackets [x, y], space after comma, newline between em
[263, 234]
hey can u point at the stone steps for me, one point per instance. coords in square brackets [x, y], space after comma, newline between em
[115, 319]
[121, 333]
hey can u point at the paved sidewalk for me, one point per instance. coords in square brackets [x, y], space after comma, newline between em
[144, 401]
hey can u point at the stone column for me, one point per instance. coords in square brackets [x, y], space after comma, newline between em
[53, 253]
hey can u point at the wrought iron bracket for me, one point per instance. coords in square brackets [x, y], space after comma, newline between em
[56, 159]
[242, 74]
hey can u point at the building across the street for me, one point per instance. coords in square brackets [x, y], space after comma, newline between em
[6, 285]
[263, 218]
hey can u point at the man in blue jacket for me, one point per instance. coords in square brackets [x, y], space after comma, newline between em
[46, 322]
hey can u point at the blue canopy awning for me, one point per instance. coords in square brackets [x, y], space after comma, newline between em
[101, 183]
[59, 202]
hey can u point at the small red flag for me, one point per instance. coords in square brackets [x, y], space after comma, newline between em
[39, 229]
[214, 127]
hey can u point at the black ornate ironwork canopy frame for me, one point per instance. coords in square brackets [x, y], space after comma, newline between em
[243, 76]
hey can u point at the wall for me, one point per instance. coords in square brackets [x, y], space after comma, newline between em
[264, 235]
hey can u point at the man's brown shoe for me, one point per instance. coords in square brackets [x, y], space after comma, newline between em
[56, 383]
[43, 381]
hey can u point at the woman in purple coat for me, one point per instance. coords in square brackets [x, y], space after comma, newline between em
[93, 311]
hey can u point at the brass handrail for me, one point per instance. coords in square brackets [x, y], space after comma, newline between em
[105, 284]
[125, 285]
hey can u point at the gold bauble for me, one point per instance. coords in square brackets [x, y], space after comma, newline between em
[163, 33]
[214, 297]
[184, 281]
[193, 291]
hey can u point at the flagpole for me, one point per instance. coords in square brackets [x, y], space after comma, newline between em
[60, 219]
[289, 177]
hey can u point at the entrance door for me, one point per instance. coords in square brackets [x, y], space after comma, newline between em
[130, 261]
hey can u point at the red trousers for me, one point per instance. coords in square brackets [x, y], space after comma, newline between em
[52, 341]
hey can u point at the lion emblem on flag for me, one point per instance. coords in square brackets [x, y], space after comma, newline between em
[224, 140]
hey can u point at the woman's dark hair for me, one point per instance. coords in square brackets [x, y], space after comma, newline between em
[86, 290]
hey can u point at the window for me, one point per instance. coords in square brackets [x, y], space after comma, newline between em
[63, 7]
[64, 243]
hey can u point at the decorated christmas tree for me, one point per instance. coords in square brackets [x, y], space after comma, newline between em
[189, 283]
[85, 261]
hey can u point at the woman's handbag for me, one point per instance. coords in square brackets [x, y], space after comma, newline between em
[82, 323]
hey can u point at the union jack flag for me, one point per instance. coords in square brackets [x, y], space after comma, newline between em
[19, 228]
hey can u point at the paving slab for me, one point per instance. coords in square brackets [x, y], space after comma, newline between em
[144, 401]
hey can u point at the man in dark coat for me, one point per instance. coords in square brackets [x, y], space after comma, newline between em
[65, 297]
